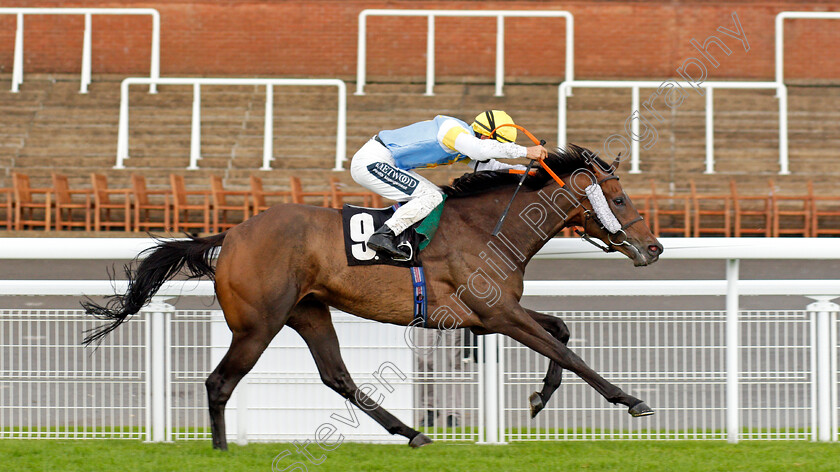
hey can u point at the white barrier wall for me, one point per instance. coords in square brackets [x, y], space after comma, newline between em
[284, 398]
[750, 375]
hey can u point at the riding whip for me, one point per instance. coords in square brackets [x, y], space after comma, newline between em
[541, 142]
[507, 209]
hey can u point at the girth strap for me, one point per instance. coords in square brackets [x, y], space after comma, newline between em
[418, 280]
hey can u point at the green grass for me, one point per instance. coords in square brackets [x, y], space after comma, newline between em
[463, 433]
[187, 456]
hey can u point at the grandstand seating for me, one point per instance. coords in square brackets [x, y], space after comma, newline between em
[204, 210]
[65, 205]
[49, 127]
[144, 206]
[184, 207]
[321, 198]
[753, 213]
[671, 214]
[791, 213]
[258, 195]
[825, 213]
[225, 213]
[108, 213]
[715, 207]
[7, 206]
[369, 199]
[27, 207]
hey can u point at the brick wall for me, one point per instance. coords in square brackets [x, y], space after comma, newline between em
[318, 38]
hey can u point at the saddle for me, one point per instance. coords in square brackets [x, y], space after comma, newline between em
[360, 222]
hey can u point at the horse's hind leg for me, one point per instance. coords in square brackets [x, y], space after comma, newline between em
[557, 328]
[311, 319]
[241, 356]
[248, 343]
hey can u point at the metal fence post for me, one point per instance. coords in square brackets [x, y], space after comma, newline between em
[154, 68]
[122, 127]
[242, 412]
[195, 129]
[824, 371]
[158, 315]
[710, 130]
[562, 93]
[733, 423]
[86, 56]
[492, 434]
[430, 56]
[634, 144]
[784, 163]
[500, 389]
[17, 62]
[341, 133]
[361, 55]
[500, 55]
[268, 132]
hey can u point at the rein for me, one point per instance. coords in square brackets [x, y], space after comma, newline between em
[587, 214]
[538, 142]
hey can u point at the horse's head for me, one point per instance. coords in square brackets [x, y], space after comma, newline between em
[606, 213]
[584, 192]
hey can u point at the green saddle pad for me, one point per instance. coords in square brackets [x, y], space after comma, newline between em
[427, 228]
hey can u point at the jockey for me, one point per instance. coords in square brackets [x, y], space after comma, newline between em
[384, 164]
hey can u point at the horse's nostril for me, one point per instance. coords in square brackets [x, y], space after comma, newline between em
[654, 249]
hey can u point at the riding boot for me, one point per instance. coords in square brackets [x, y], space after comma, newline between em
[385, 241]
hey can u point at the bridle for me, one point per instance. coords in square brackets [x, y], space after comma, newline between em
[588, 214]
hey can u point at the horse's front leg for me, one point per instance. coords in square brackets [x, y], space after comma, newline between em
[514, 321]
[558, 329]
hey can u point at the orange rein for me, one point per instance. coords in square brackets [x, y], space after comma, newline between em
[536, 142]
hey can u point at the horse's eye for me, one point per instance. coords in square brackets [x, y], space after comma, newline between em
[618, 201]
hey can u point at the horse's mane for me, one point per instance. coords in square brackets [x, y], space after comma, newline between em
[561, 161]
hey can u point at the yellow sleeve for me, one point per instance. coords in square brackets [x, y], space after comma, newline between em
[449, 137]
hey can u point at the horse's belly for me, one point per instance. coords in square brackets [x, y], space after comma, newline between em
[371, 312]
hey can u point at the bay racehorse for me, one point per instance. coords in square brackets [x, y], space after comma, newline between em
[286, 266]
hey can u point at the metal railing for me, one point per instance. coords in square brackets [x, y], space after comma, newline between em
[500, 16]
[17, 68]
[268, 134]
[780, 34]
[676, 360]
[803, 362]
[635, 111]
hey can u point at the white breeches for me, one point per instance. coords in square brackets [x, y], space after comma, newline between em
[373, 167]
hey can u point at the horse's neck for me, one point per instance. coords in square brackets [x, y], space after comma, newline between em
[533, 219]
[536, 217]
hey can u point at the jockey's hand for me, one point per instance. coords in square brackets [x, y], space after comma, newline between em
[536, 152]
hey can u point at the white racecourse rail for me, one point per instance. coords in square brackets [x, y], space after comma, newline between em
[361, 62]
[17, 68]
[268, 133]
[731, 374]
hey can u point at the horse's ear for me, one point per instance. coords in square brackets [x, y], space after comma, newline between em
[616, 162]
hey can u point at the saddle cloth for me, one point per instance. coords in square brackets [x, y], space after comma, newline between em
[359, 223]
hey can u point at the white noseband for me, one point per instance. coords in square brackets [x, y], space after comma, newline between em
[602, 208]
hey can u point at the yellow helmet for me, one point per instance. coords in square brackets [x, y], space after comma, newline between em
[487, 121]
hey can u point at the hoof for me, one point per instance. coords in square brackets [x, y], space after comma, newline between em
[536, 404]
[640, 409]
[419, 441]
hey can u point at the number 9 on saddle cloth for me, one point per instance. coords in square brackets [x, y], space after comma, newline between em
[359, 223]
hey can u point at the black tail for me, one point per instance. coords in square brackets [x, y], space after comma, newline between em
[162, 263]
